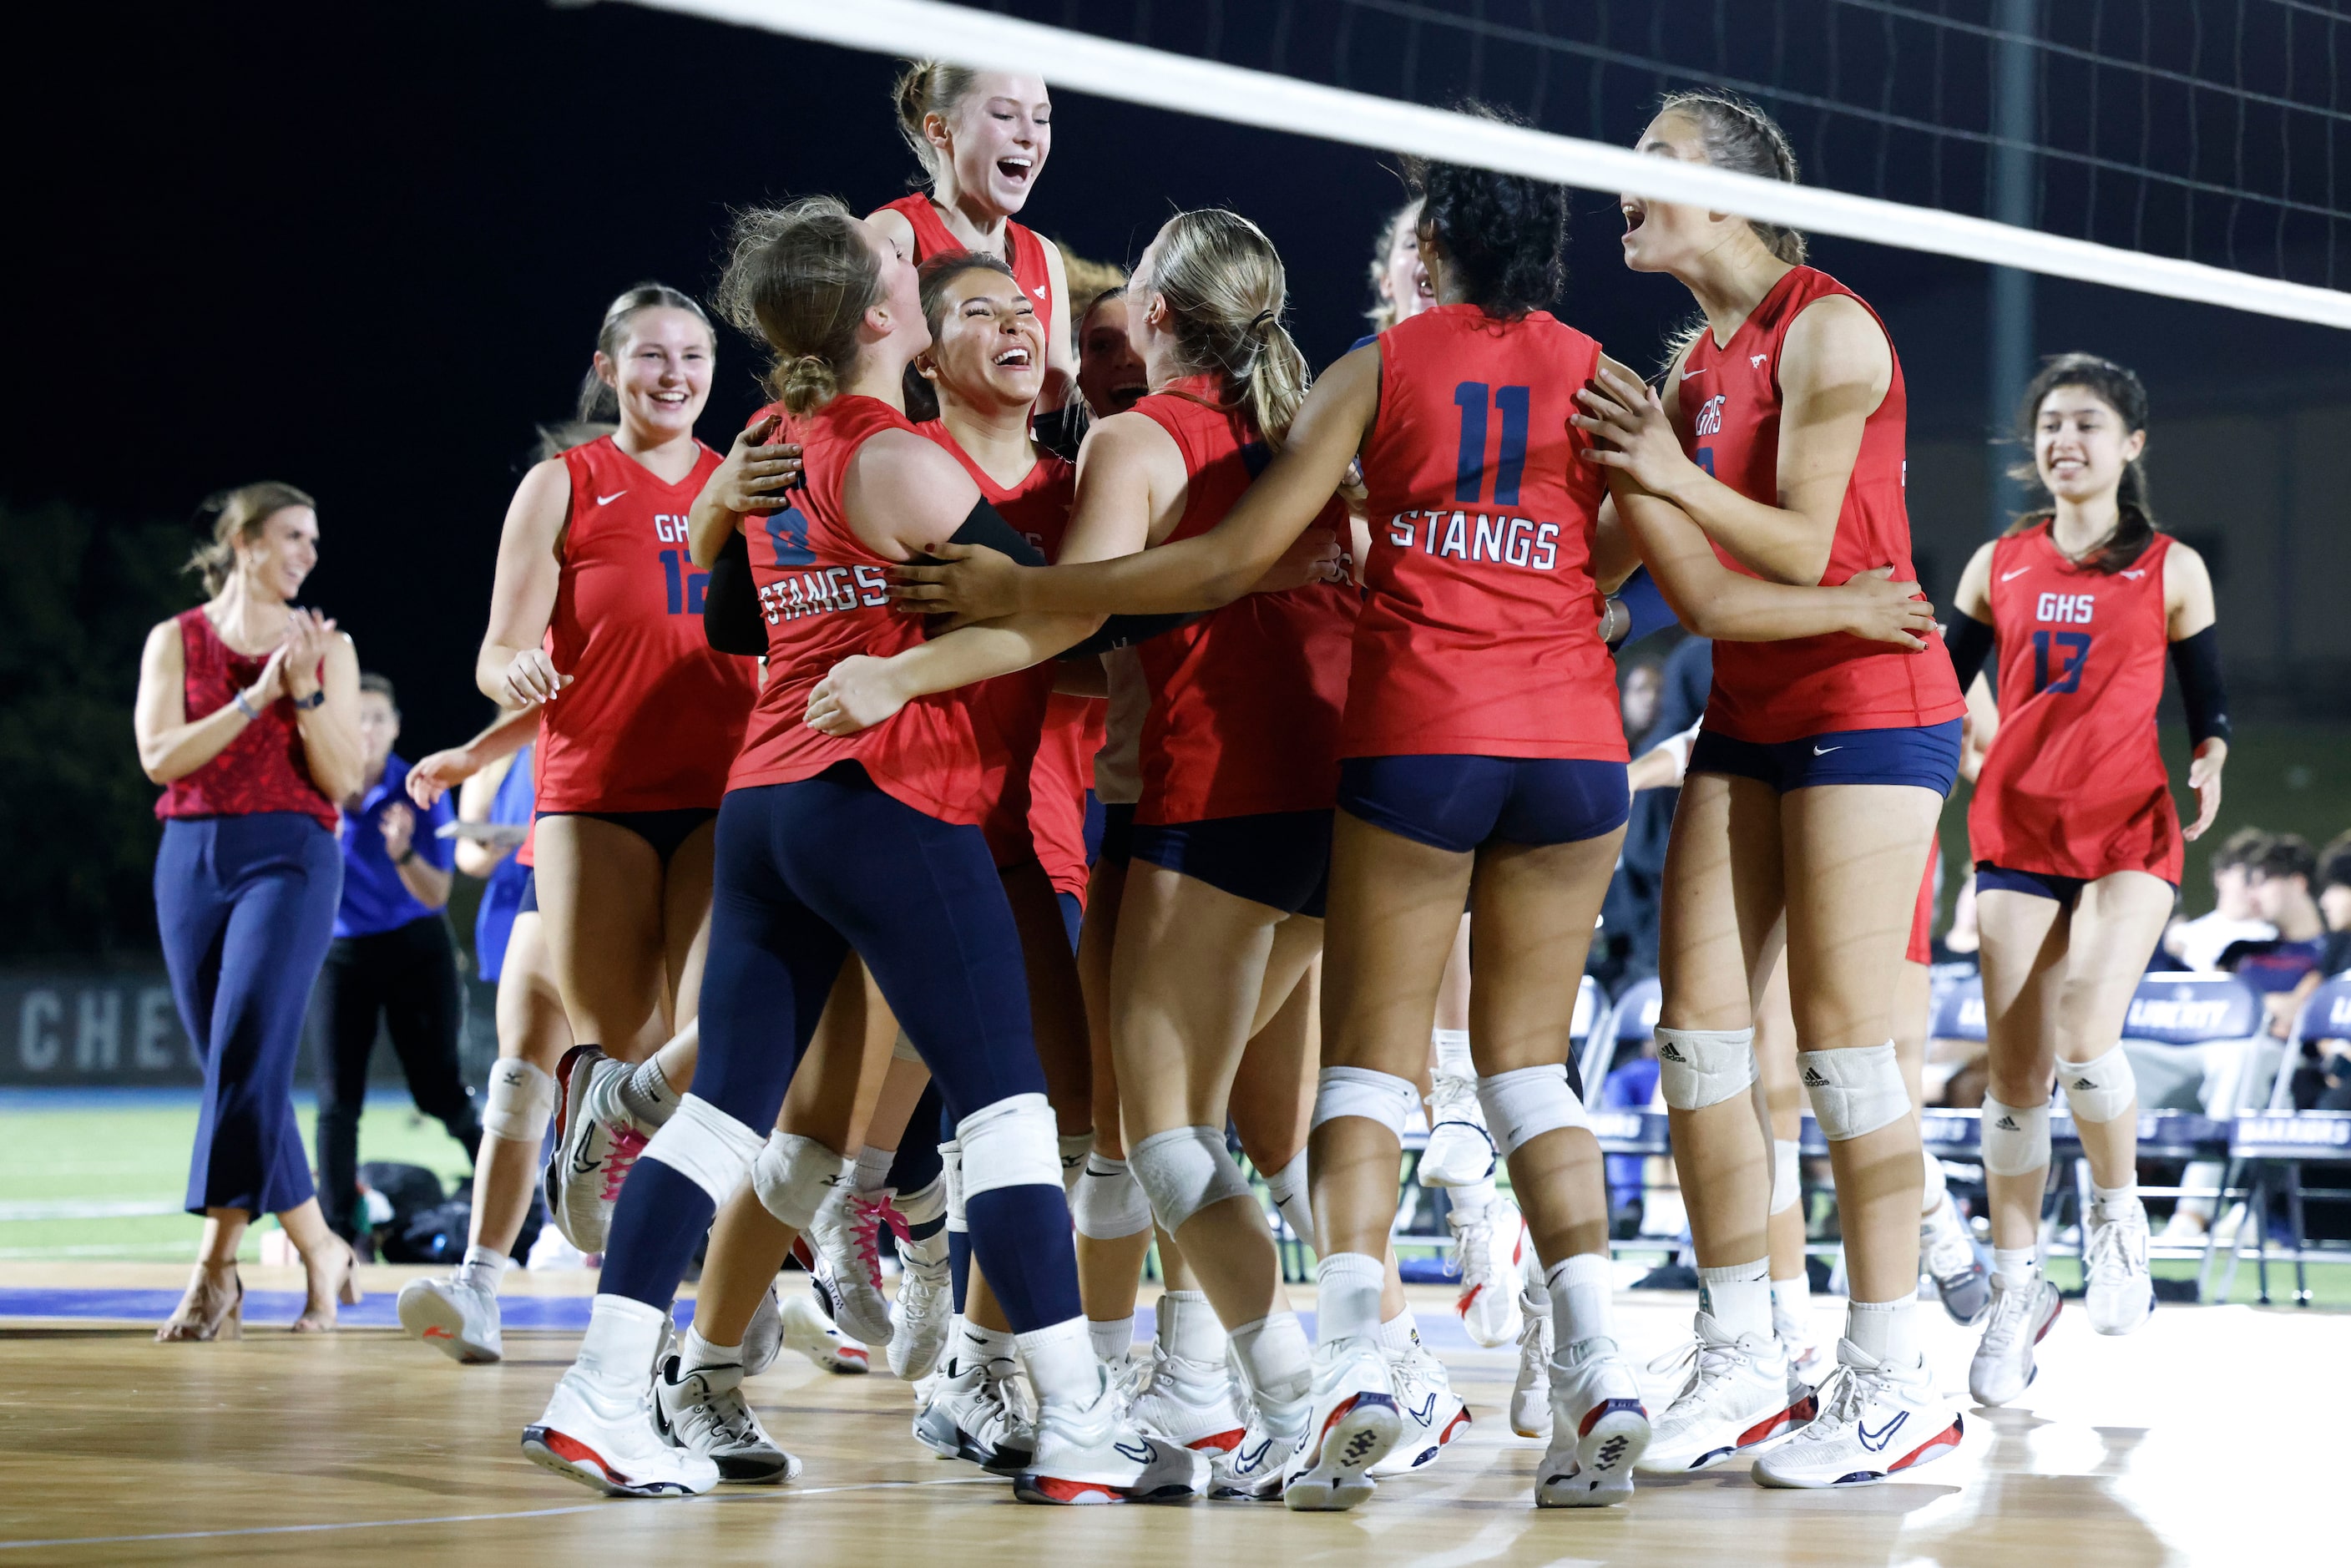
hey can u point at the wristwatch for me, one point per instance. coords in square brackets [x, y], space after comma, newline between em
[313, 700]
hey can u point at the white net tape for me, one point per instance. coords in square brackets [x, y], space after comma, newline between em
[1108, 69]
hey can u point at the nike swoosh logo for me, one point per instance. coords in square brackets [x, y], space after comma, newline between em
[1039, 292]
[1699, 371]
[1875, 1441]
[2020, 572]
[1427, 1410]
[1824, 750]
[607, 500]
[2135, 576]
[1139, 1452]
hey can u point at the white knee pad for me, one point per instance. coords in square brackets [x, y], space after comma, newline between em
[1288, 1186]
[1184, 1170]
[1072, 1149]
[1787, 1183]
[1702, 1067]
[707, 1147]
[2016, 1139]
[2101, 1090]
[1009, 1143]
[1526, 1104]
[951, 1177]
[793, 1176]
[1109, 1202]
[1381, 1097]
[520, 1101]
[1854, 1092]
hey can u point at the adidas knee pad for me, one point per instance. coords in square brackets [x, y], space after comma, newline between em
[707, 1147]
[1184, 1170]
[2101, 1090]
[1381, 1097]
[2016, 1139]
[1108, 1203]
[1524, 1105]
[1787, 1183]
[1702, 1067]
[793, 1176]
[1288, 1186]
[520, 1101]
[1009, 1143]
[1854, 1091]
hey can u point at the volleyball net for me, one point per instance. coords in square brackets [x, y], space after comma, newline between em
[2181, 148]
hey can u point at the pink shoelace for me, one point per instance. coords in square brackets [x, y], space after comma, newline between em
[627, 1144]
[866, 1218]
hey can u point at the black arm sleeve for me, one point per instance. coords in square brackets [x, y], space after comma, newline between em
[2197, 661]
[1970, 641]
[1126, 630]
[985, 526]
[731, 620]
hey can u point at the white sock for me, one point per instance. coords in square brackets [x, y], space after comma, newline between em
[2017, 1265]
[624, 1336]
[1888, 1330]
[1187, 1327]
[2111, 1201]
[1061, 1361]
[985, 1347]
[647, 1097]
[1739, 1297]
[1453, 1051]
[1793, 1297]
[874, 1168]
[925, 1204]
[1112, 1337]
[1347, 1295]
[1471, 1201]
[1400, 1333]
[1582, 1298]
[697, 1350]
[1279, 1369]
[483, 1268]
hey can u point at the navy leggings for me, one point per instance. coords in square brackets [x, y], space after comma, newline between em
[247, 905]
[805, 873]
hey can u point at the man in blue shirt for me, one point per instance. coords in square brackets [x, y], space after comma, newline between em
[393, 963]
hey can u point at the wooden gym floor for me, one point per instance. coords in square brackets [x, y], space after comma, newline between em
[2214, 1434]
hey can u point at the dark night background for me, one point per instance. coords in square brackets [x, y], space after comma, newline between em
[364, 249]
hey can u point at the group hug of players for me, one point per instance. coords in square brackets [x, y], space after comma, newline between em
[1334, 656]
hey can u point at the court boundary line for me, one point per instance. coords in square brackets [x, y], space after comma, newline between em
[782, 1492]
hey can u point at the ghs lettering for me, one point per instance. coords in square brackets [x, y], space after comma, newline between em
[1477, 537]
[833, 589]
[2065, 609]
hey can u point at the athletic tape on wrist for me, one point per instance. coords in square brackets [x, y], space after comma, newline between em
[1787, 1182]
[1524, 1105]
[1288, 1186]
[1183, 1171]
[793, 1176]
[519, 1103]
[1381, 1097]
[1854, 1092]
[1702, 1067]
[2099, 1090]
[2015, 1139]
[707, 1147]
[1108, 1203]
[1009, 1143]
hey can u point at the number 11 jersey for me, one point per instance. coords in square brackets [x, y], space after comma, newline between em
[1480, 634]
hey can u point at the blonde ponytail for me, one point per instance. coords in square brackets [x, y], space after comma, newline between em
[800, 277]
[1226, 289]
[923, 89]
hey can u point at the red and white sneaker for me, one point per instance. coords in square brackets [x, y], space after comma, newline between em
[1092, 1454]
[2020, 1319]
[1433, 1414]
[1599, 1428]
[1490, 1251]
[1353, 1424]
[596, 1147]
[1741, 1393]
[1188, 1402]
[607, 1440]
[1876, 1420]
[847, 1236]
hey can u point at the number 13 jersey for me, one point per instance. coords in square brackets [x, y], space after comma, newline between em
[1480, 635]
[2074, 784]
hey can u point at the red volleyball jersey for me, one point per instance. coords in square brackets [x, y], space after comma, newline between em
[1768, 693]
[1058, 781]
[1480, 634]
[2074, 784]
[1023, 249]
[826, 595]
[1008, 713]
[654, 715]
[264, 769]
[1245, 702]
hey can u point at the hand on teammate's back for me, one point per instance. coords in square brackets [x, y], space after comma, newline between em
[970, 582]
[1885, 611]
[754, 476]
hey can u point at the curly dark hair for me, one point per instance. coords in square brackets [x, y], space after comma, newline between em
[1504, 237]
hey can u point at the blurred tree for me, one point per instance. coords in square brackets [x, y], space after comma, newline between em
[75, 814]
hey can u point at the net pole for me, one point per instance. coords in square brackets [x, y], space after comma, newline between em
[2011, 336]
[1182, 85]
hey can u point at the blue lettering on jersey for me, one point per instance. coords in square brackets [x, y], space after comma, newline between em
[788, 531]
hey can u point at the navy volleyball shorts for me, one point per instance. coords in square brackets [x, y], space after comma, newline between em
[1927, 756]
[1455, 802]
[1277, 857]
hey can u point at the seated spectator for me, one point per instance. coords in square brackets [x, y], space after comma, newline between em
[2198, 944]
[2288, 965]
[2334, 882]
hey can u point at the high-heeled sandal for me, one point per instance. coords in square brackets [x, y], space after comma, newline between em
[347, 1292]
[204, 1314]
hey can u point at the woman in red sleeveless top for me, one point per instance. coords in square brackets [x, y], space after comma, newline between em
[249, 715]
[983, 137]
[1814, 787]
[2076, 841]
[595, 620]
